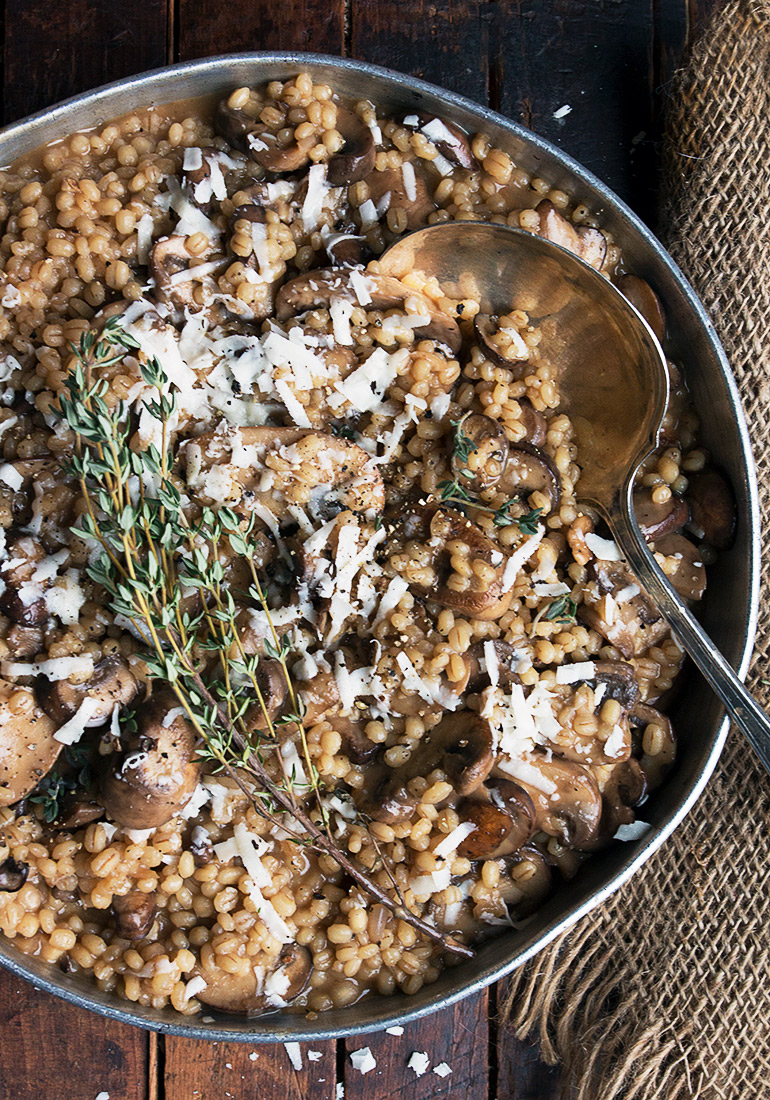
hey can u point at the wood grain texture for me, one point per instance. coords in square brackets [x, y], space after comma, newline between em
[458, 1036]
[242, 1071]
[444, 41]
[50, 1050]
[52, 51]
[234, 25]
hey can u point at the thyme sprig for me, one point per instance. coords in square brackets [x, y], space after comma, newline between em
[162, 573]
[562, 611]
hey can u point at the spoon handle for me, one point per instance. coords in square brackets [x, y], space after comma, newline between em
[744, 711]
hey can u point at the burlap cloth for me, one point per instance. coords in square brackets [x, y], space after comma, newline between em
[664, 991]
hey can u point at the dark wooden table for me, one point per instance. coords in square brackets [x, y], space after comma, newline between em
[610, 61]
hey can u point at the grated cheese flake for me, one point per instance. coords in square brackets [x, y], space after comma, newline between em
[71, 732]
[295, 1055]
[363, 1060]
[603, 549]
[579, 670]
[419, 1062]
[521, 555]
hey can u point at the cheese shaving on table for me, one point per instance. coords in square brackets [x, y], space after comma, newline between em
[442, 1070]
[419, 1062]
[517, 559]
[363, 1060]
[295, 1056]
[395, 1030]
[492, 663]
[633, 831]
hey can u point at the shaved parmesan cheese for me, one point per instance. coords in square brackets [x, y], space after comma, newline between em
[634, 831]
[604, 549]
[419, 1062]
[361, 286]
[528, 773]
[521, 555]
[558, 589]
[71, 732]
[410, 182]
[195, 986]
[11, 477]
[193, 159]
[397, 588]
[367, 212]
[363, 1060]
[293, 407]
[439, 406]
[144, 230]
[314, 198]
[615, 744]
[397, 1030]
[57, 668]
[250, 847]
[631, 590]
[295, 1057]
[453, 840]
[580, 670]
[492, 663]
[434, 883]
[442, 1070]
[340, 312]
[599, 691]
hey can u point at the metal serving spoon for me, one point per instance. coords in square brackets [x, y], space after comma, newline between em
[614, 387]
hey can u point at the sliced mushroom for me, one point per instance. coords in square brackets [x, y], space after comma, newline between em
[526, 882]
[346, 248]
[13, 875]
[318, 288]
[530, 469]
[614, 605]
[174, 273]
[134, 914]
[271, 680]
[689, 575]
[566, 798]
[23, 596]
[356, 158]
[436, 526]
[619, 681]
[461, 745]
[587, 243]
[658, 743]
[111, 684]
[504, 820]
[625, 788]
[78, 812]
[506, 661]
[644, 299]
[712, 508]
[24, 641]
[246, 992]
[452, 143]
[503, 347]
[418, 204]
[205, 183]
[155, 775]
[252, 137]
[28, 749]
[535, 424]
[488, 455]
[657, 520]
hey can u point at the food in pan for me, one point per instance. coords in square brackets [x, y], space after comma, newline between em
[314, 671]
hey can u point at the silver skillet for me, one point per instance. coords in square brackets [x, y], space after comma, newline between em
[730, 609]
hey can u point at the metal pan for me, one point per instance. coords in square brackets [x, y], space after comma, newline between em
[730, 611]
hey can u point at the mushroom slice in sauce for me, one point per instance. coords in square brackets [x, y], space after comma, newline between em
[657, 520]
[317, 289]
[614, 605]
[587, 243]
[658, 742]
[461, 745]
[13, 875]
[415, 198]
[526, 882]
[154, 777]
[625, 788]
[506, 660]
[566, 798]
[535, 424]
[134, 914]
[28, 749]
[689, 575]
[205, 184]
[712, 508]
[452, 143]
[176, 281]
[503, 347]
[488, 452]
[23, 598]
[251, 136]
[619, 681]
[530, 469]
[247, 993]
[112, 684]
[504, 816]
[356, 158]
[644, 299]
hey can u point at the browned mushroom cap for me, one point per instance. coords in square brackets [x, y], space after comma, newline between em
[567, 801]
[461, 745]
[624, 789]
[530, 469]
[488, 456]
[644, 299]
[13, 875]
[511, 354]
[271, 680]
[503, 823]
[111, 684]
[247, 993]
[155, 776]
[451, 142]
[28, 749]
[356, 158]
[347, 248]
[657, 520]
[249, 212]
[134, 914]
[317, 289]
[535, 424]
[479, 672]
[658, 743]
[587, 243]
[712, 508]
[22, 599]
[172, 269]
[355, 744]
[24, 641]
[252, 137]
[689, 576]
[614, 606]
[619, 680]
[77, 812]
[390, 182]
[437, 526]
[526, 882]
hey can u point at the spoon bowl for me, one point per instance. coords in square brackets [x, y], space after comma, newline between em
[613, 381]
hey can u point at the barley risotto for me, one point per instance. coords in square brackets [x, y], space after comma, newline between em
[314, 672]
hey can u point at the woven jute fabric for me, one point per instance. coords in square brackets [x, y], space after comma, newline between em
[664, 991]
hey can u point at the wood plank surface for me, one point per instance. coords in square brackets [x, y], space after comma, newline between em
[211, 28]
[50, 1050]
[455, 1037]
